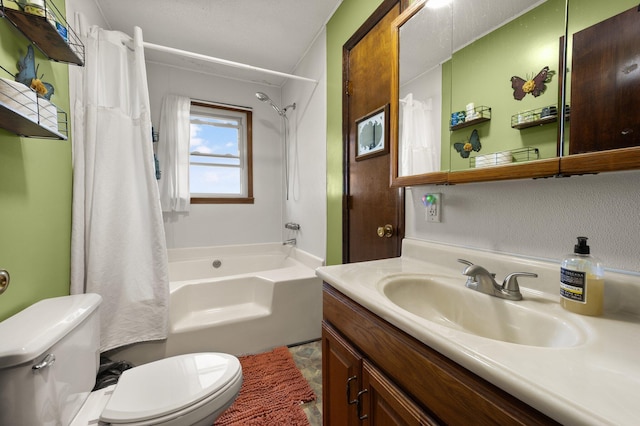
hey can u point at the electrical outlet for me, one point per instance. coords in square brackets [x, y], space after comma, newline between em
[433, 204]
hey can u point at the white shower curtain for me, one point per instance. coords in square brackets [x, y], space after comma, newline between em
[173, 153]
[118, 243]
[420, 145]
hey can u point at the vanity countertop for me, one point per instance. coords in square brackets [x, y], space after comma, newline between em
[594, 382]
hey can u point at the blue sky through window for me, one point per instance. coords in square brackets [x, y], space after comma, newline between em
[211, 139]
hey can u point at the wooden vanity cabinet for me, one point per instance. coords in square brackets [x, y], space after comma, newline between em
[376, 374]
[355, 391]
[341, 369]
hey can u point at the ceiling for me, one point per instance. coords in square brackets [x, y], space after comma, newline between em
[276, 34]
[271, 34]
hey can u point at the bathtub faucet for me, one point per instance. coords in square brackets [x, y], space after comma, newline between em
[291, 242]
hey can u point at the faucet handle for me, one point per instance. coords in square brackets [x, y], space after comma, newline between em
[466, 262]
[471, 282]
[510, 283]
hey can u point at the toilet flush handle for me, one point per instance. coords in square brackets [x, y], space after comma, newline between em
[48, 361]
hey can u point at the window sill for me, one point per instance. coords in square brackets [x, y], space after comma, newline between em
[222, 200]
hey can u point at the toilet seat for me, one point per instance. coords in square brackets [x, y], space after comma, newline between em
[170, 388]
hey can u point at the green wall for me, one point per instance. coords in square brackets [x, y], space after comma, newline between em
[346, 20]
[35, 193]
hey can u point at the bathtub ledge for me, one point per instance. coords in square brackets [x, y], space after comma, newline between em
[220, 316]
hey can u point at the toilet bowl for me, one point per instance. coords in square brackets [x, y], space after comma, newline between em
[49, 367]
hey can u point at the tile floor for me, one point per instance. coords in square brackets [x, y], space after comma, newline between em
[308, 358]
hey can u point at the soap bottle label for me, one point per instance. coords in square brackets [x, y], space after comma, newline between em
[572, 285]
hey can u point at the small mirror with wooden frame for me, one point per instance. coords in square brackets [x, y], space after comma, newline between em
[421, 42]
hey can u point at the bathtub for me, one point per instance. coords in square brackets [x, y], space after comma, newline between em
[240, 300]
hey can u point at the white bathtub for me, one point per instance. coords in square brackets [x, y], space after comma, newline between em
[259, 296]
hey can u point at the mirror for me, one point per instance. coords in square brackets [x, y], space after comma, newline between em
[422, 45]
[425, 47]
[505, 83]
[501, 127]
[470, 50]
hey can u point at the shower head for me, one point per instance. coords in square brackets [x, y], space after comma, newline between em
[262, 97]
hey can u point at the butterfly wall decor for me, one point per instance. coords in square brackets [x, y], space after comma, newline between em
[535, 86]
[28, 75]
[464, 149]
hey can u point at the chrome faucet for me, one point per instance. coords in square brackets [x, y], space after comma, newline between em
[291, 242]
[483, 281]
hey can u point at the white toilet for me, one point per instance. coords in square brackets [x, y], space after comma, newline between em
[49, 357]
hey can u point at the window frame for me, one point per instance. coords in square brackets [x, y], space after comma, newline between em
[248, 199]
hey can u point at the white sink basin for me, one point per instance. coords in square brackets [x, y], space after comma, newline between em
[448, 302]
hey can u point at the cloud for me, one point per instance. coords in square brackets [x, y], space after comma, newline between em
[197, 143]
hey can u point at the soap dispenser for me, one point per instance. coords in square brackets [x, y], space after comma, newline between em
[582, 281]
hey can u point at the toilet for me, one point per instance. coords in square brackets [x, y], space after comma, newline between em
[49, 357]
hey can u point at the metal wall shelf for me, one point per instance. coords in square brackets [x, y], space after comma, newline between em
[26, 114]
[481, 114]
[43, 33]
[505, 157]
[21, 125]
[536, 117]
[21, 111]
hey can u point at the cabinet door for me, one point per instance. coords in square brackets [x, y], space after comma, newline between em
[605, 85]
[341, 379]
[386, 405]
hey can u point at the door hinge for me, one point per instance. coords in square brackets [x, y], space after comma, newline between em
[347, 88]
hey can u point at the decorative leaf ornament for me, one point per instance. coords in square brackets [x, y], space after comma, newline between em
[464, 149]
[535, 86]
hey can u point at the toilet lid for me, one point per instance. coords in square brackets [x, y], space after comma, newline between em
[168, 385]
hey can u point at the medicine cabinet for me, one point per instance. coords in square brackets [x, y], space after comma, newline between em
[480, 91]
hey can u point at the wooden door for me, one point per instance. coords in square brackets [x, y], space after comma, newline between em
[341, 380]
[370, 206]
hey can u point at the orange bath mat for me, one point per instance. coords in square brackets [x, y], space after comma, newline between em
[272, 391]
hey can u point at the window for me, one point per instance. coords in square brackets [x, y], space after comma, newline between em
[220, 157]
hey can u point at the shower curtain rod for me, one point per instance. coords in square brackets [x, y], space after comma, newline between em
[206, 58]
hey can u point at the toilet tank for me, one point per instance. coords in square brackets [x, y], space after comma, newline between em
[49, 357]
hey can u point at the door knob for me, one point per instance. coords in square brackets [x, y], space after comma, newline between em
[385, 231]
